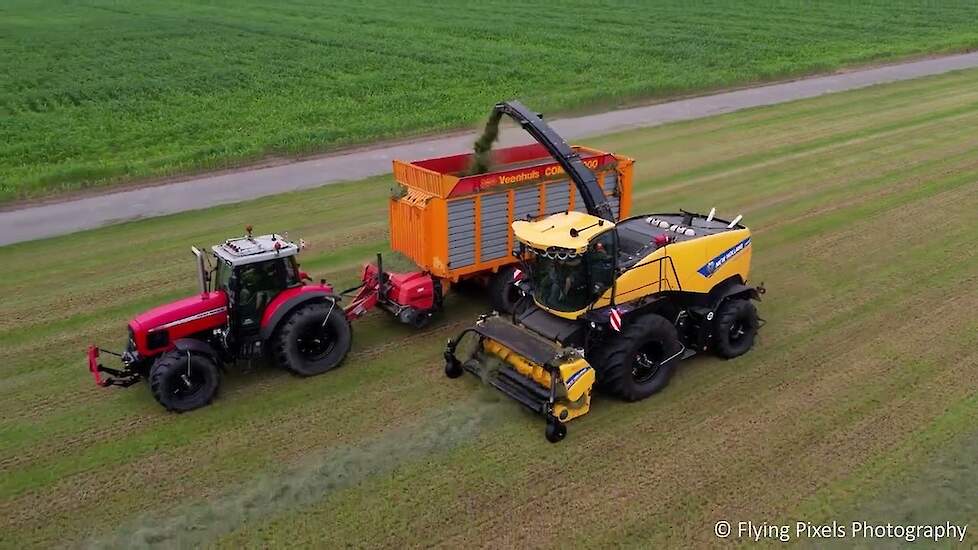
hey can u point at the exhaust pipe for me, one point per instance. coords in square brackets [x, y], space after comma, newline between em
[201, 271]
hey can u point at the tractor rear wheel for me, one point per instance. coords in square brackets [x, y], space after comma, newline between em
[734, 328]
[640, 360]
[504, 296]
[313, 339]
[182, 381]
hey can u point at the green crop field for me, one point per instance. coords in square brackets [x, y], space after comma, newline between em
[102, 91]
[858, 400]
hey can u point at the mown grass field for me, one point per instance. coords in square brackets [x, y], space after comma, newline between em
[100, 91]
[862, 206]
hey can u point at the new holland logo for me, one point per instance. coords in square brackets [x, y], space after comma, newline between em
[715, 264]
[576, 376]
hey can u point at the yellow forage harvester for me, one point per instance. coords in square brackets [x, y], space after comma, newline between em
[609, 303]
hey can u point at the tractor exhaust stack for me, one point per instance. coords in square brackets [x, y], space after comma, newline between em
[201, 270]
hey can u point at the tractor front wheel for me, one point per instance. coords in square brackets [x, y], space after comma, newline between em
[313, 339]
[639, 361]
[182, 381]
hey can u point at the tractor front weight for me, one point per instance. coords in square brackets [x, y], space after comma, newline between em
[122, 378]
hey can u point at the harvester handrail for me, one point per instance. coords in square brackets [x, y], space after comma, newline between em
[660, 261]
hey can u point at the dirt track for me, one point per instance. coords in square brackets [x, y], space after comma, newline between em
[60, 218]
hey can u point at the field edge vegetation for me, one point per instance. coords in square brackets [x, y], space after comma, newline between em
[177, 87]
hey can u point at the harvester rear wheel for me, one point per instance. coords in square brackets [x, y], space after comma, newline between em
[640, 360]
[313, 339]
[734, 328]
[182, 381]
[504, 296]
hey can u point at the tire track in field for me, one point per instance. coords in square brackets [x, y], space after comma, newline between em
[149, 472]
[315, 479]
[816, 171]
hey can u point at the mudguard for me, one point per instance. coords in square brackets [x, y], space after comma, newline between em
[194, 345]
[276, 312]
[731, 287]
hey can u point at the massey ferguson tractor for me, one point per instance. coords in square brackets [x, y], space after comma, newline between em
[253, 303]
[608, 302]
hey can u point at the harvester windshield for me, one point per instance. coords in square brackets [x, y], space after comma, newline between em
[567, 281]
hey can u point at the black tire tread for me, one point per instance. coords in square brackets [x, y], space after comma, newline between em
[498, 287]
[169, 361]
[284, 331]
[613, 363]
[727, 313]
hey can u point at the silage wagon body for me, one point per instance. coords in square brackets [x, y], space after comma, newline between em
[457, 226]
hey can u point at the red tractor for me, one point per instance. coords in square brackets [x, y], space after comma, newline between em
[253, 303]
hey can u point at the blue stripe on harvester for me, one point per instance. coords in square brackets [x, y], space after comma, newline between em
[716, 263]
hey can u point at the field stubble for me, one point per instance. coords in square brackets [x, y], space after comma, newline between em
[865, 370]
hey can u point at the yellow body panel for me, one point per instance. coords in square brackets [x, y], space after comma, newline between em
[673, 267]
[687, 257]
[555, 230]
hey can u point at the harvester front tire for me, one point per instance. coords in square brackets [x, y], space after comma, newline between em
[735, 327]
[182, 381]
[556, 431]
[641, 359]
[504, 296]
[453, 369]
[313, 339]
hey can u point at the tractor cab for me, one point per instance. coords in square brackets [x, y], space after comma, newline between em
[252, 271]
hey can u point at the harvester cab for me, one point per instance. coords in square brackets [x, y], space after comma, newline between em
[615, 304]
[253, 302]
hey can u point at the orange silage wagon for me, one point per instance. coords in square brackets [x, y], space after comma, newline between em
[457, 226]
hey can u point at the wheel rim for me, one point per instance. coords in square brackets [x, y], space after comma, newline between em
[738, 330]
[316, 342]
[647, 363]
[188, 383]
